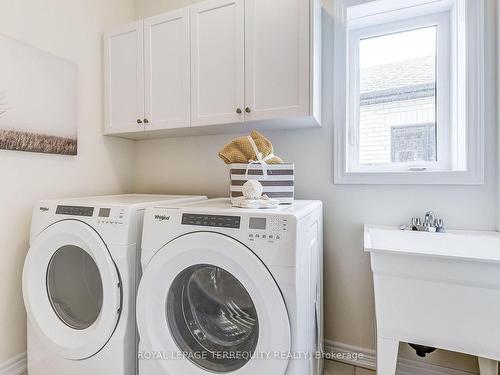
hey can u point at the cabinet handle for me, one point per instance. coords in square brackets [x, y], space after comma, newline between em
[248, 110]
[239, 111]
[139, 121]
[146, 121]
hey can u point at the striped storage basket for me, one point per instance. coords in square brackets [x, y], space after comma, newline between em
[279, 183]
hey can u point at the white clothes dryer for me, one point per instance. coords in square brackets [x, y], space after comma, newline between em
[79, 283]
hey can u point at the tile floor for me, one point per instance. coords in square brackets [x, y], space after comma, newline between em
[337, 368]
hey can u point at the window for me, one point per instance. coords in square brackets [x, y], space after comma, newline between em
[411, 85]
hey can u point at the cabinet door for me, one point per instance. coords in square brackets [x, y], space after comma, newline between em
[277, 58]
[217, 69]
[124, 84]
[167, 71]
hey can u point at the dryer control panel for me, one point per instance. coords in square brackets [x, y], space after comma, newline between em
[75, 210]
[103, 215]
[113, 216]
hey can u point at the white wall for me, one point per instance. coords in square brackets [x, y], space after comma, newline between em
[146, 8]
[191, 165]
[498, 115]
[71, 29]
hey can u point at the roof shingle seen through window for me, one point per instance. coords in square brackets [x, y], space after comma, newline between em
[418, 71]
[403, 80]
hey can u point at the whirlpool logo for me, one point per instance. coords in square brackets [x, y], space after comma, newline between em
[162, 217]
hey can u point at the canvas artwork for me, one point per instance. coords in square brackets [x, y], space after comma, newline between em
[37, 100]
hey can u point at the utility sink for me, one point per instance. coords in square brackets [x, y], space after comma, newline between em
[436, 289]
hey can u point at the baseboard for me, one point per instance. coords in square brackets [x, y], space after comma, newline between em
[366, 358]
[14, 366]
[351, 355]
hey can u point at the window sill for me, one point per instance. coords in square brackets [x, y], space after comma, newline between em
[410, 178]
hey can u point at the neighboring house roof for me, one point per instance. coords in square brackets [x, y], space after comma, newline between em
[402, 80]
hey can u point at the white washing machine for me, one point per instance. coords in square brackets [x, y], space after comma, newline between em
[229, 290]
[79, 283]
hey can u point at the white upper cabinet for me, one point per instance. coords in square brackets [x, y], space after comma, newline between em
[166, 70]
[124, 85]
[217, 62]
[238, 64]
[277, 59]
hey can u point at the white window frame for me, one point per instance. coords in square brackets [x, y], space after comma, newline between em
[460, 89]
[443, 80]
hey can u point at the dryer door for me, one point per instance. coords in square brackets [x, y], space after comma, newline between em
[71, 289]
[209, 305]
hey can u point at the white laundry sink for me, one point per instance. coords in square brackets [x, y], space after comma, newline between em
[436, 289]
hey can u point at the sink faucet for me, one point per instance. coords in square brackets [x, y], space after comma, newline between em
[429, 221]
[429, 224]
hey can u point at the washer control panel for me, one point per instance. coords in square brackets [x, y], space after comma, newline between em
[218, 221]
[267, 229]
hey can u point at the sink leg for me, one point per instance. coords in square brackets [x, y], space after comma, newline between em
[387, 356]
[488, 366]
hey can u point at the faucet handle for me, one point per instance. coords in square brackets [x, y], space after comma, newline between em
[416, 223]
[439, 225]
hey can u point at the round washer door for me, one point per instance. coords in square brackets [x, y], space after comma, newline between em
[210, 300]
[71, 289]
